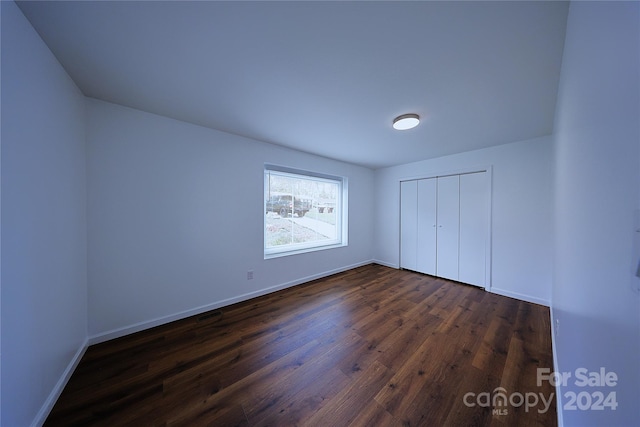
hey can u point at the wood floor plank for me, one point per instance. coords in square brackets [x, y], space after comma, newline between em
[369, 346]
[247, 391]
[374, 415]
[462, 413]
[344, 408]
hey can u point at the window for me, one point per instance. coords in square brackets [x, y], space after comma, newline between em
[304, 211]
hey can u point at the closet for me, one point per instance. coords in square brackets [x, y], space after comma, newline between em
[444, 226]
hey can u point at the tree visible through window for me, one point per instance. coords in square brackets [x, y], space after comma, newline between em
[303, 211]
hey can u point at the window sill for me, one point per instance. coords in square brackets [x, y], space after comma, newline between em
[303, 250]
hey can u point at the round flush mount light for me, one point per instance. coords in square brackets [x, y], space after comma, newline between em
[406, 121]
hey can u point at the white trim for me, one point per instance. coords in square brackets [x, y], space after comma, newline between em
[141, 326]
[342, 233]
[303, 250]
[489, 241]
[48, 405]
[386, 264]
[522, 297]
[556, 368]
[449, 172]
[46, 408]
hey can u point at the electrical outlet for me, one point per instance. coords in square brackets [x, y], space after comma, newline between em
[557, 326]
[250, 275]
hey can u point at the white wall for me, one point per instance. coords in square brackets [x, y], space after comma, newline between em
[176, 219]
[172, 207]
[44, 308]
[522, 213]
[597, 185]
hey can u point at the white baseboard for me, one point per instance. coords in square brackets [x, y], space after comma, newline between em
[556, 368]
[522, 297]
[120, 332]
[141, 326]
[44, 412]
[46, 408]
[386, 264]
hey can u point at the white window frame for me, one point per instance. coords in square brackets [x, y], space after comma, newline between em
[341, 215]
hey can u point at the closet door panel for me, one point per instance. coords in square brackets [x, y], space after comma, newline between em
[474, 199]
[426, 251]
[448, 215]
[408, 224]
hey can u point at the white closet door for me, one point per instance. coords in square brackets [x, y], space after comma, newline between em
[448, 226]
[474, 199]
[426, 251]
[408, 224]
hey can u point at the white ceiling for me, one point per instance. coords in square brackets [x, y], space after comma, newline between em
[322, 77]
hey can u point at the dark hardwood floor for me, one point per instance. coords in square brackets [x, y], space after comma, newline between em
[373, 346]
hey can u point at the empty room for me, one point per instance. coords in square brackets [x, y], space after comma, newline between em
[331, 213]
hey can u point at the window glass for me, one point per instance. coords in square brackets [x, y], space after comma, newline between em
[303, 211]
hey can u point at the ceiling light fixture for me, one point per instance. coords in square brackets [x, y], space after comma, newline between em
[406, 121]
